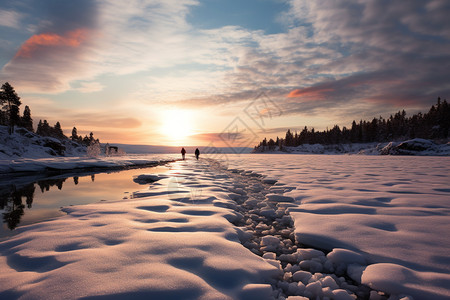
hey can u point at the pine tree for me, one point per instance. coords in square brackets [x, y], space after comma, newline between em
[43, 128]
[57, 131]
[3, 116]
[86, 141]
[74, 136]
[289, 138]
[27, 121]
[11, 102]
[39, 128]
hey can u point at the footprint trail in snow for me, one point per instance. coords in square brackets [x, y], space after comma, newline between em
[266, 229]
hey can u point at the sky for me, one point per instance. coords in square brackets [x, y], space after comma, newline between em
[222, 73]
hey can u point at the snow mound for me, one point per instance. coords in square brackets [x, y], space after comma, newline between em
[396, 279]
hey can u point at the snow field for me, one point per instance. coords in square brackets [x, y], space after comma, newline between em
[392, 211]
[367, 227]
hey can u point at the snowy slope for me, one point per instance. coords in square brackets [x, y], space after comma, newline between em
[23, 143]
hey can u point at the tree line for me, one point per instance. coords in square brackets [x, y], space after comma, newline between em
[10, 116]
[434, 124]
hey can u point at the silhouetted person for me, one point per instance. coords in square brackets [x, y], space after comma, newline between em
[197, 153]
[183, 153]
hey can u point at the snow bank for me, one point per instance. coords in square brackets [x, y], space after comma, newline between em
[70, 163]
[389, 211]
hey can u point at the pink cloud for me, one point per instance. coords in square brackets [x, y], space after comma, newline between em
[310, 93]
[72, 39]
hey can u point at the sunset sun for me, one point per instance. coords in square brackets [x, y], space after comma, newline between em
[176, 125]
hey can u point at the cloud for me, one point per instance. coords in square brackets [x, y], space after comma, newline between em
[45, 41]
[58, 49]
[355, 57]
[10, 18]
[311, 93]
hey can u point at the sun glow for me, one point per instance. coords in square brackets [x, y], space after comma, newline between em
[176, 126]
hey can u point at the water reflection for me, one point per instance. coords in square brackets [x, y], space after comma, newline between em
[29, 200]
[11, 201]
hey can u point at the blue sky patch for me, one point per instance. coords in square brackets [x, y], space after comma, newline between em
[250, 14]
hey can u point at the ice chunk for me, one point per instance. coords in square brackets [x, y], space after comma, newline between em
[268, 212]
[147, 178]
[296, 298]
[302, 276]
[315, 289]
[288, 258]
[270, 255]
[270, 240]
[293, 288]
[341, 294]
[279, 198]
[345, 256]
[328, 281]
[269, 180]
[327, 293]
[309, 253]
[311, 265]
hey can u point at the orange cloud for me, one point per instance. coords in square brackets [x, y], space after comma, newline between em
[311, 93]
[70, 39]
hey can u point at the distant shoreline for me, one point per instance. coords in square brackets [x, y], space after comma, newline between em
[414, 147]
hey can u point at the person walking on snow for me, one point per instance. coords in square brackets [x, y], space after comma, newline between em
[183, 153]
[197, 153]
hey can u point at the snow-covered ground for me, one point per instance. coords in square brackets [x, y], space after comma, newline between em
[198, 233]
[158, 247]
[393, 210]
